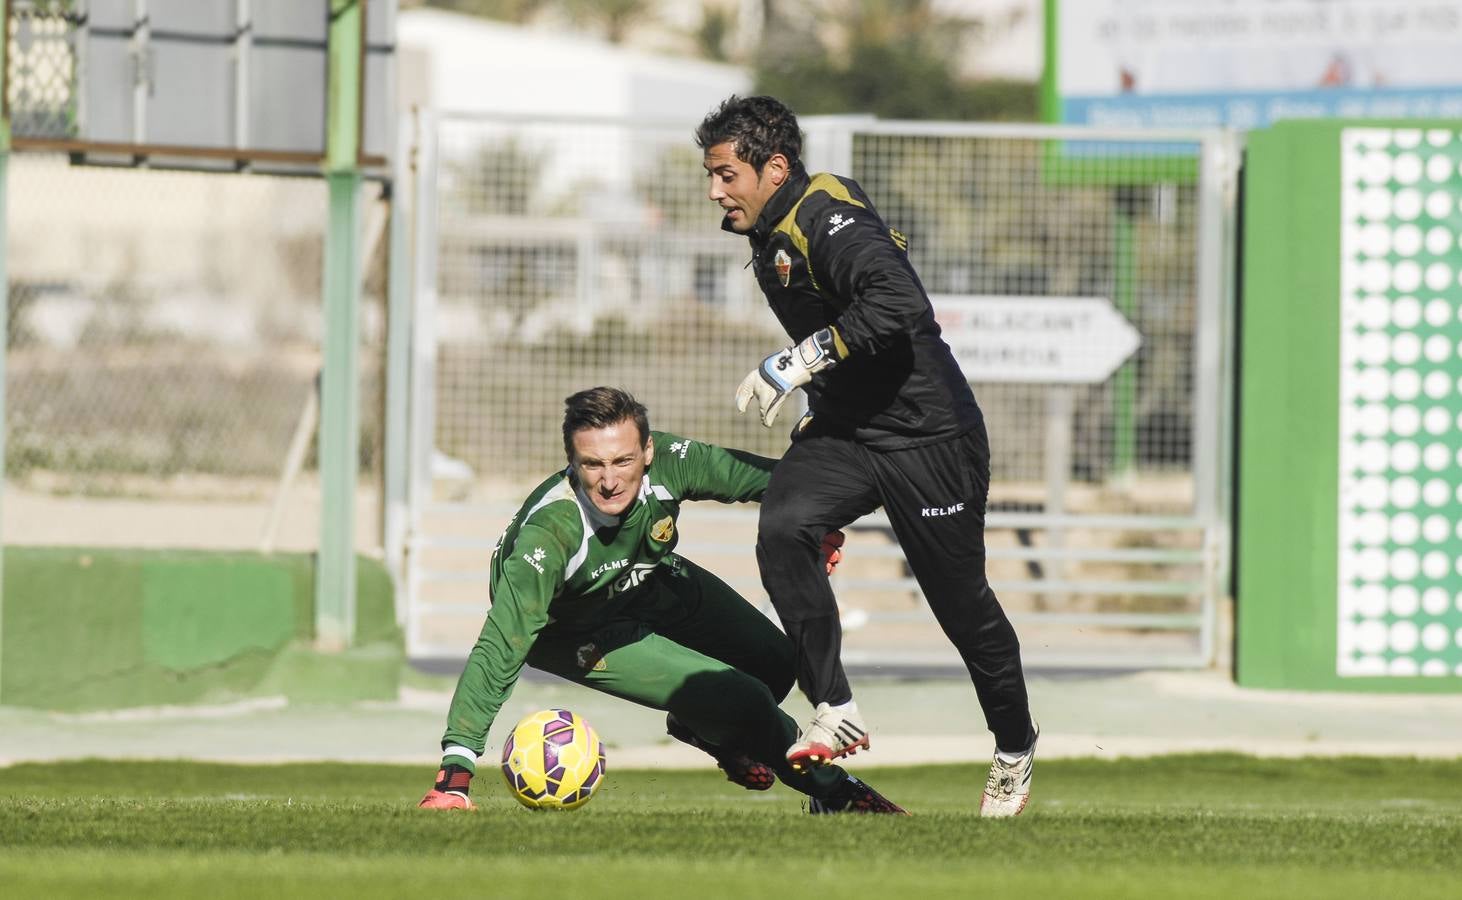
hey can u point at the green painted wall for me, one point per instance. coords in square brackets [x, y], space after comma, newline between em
[104, 628]
[1288, 443]
[1331, 578]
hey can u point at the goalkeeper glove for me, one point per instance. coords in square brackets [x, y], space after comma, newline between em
[789, 369]
[450, 791]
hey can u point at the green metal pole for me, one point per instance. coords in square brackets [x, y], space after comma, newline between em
[1050, 90]
[1124, 426]
[339, 439]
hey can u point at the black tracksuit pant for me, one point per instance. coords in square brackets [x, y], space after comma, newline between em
[935, 498]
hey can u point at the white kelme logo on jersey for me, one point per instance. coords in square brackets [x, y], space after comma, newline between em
[535, 559]
[633, 578]
[838, 223]
[941, 510]
[612, 564]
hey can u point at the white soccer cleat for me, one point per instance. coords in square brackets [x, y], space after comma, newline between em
[1008, 788]
[832, 734]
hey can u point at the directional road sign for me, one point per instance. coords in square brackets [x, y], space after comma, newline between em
[1046, 340]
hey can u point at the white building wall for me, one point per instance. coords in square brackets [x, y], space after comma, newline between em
[467, 64]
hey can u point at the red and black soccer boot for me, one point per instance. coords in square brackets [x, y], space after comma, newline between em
[450, 791]
[739, 768]
[853, 796]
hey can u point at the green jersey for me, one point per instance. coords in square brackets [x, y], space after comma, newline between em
[562, 567]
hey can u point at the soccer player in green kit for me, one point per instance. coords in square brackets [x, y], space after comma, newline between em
[586, 585]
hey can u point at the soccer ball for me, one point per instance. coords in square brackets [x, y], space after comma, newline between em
[553, 760]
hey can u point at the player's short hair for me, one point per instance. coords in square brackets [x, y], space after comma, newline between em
[601, 407]
[760, 127]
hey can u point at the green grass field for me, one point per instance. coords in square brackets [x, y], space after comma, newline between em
[1182, 826]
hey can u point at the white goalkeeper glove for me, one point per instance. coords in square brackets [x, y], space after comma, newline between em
[789, 369]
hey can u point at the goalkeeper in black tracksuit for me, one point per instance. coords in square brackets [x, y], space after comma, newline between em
[891, 422]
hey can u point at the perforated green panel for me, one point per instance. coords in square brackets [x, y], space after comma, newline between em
[1400, 501]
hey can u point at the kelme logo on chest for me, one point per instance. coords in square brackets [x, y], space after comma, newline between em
[783, 262]
[661, 531]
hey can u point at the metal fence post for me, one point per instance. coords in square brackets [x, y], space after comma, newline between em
[398, 366]
[4, 297]
[340, 384]
[421, 425]
[1213, 360]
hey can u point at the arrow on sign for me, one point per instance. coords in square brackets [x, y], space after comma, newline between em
[1048, 340]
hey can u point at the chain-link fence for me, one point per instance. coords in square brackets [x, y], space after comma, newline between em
[163, 333]
[994, 216]
[563, 254]
[574, 254]
[164, 341]
[41, 60]
[574, 251]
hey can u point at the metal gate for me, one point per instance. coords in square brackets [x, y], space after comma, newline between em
[552, 255]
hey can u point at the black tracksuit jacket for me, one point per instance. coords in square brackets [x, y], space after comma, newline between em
[823, 256]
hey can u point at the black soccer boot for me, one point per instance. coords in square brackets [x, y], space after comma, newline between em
[853, 796]
[739, 768]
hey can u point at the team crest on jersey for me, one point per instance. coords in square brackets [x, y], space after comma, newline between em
[589, 657]
[783, 263]
[662, 530]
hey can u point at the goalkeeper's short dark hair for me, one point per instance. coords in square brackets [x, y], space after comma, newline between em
[760, 127]
[601, 407]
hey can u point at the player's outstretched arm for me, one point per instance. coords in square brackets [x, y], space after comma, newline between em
[696, 470]
[527, 574]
